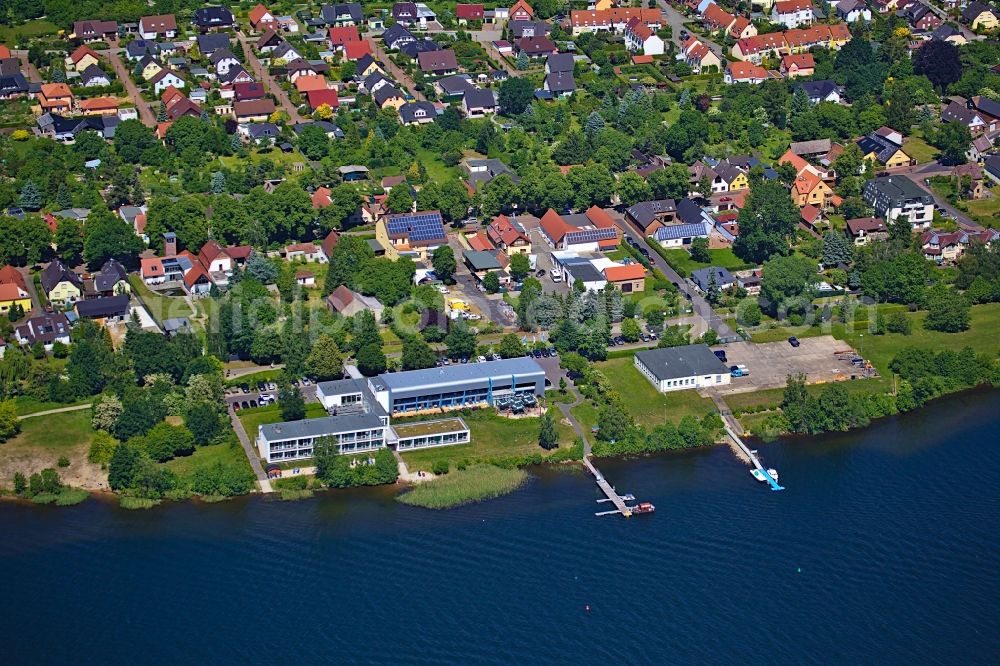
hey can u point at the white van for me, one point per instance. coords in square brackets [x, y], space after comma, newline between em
[556, 275]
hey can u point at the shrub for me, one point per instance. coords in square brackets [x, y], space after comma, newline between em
[63, 461]
[440, 467]
[898, 322]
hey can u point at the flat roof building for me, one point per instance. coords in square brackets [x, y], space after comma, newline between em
[680, 368]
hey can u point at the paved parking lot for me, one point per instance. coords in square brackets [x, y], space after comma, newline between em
[770, 363]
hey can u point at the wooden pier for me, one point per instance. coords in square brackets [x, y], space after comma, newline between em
[612, 494]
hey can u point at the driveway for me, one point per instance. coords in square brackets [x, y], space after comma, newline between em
[30, 71]
[270, 85]
[397, 73]
[145, 112]
[676, 21]
[700, 306]
[921, 172]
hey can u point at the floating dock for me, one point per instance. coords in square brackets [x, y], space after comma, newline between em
[752, 456]
[611, 494]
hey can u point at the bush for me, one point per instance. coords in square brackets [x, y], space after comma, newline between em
[898, 322]
[440, 467]
[63, 461]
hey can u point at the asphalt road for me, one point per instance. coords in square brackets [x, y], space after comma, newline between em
[270, 85]
[124, 75]
[700, 306]
[394, 70]
[676, 21]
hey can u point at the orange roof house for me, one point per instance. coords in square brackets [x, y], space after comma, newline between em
[642, 59]
[321, 198]
[521, 11]
[4, 51]
[798, 64]
[55, 97]
[10, 275]
[310, 82]
[340, 35]
[479, 242]
[261, 18]
[99, 106]
[83, 57]
[629, 278]
[318, 98]
[716, 18]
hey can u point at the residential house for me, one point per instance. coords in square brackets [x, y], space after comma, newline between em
[508, 236]
[95, 31]
[981, 17]
[197, 281]
[863, 230]
[884, 149]
[305, 251]
[535, 47]
[810, 187]
[138, 49]
[94, 77]
[209, 44]
[742, 28]
[963, 115]
[417, 113]
[948, 33]
[305, 278]
[388, 96]
[703, 278]
[613, 20]
[260, 133]
[248, 91]
[699, 56]
[411, 49]
[680, 235]
[366, 66]
[348, 303]
[355, 51]
[948, 247]
[481, 263]
[82, 58]
[329, 244]
[339, 36]
[266, 43]
[285, 51]
[411, 234]
[819, 91]
[648, 216]
[482, 171]
[640, 37]
[559, 62]
[681, 368]
[852, 11]
[629, 278]
[520, 11]
[166, 78]
[895, 197]
[792, 13]
[111, 280]
[234, 76]
[559, 84]
[715, 18]
[920, 17]
[99, 106]
[213, 18]
[262, 19]
[438, 63]
[590, 231]
[396, 36]
[222, 60]
[318, 98]
[405, 13]
[348, 13]
[46, 329]
[254, 110]
[477, 103]
[160, 26]
[988, 110]
[744, 72]
[65, 130]
[798, 64]
[466, 14]
[55, 98]
[519, 29]
[62, 286]
[13, 290]
[729, 177]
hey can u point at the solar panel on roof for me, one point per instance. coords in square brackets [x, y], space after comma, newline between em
[591, 235]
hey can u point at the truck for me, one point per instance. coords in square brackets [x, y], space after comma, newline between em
[739, 370]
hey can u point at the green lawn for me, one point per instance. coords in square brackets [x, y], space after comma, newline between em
[253, 378]
[228, 453]
[684, 264]
[919, 149]
[986, 211]
[982, 336]
[648, 406]
[55, 432]
[492, 436]
[160, 307]
[251, 418]
[10, 35]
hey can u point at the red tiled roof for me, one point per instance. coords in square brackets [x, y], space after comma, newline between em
[321, 197]
[340, 35]
[196, 272]
[623, 273]
[357, 49]
[151, 267]
[469, 12]
[319, 97]
[479, 242]
[10, 275]
[330, 242]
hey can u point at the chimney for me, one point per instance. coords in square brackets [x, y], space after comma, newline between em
[169, 244]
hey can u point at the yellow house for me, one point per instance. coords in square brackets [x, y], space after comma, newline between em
[898, 158]
[150, 69]
[981, 17]
[370, 69]
[740, 182]
[601, 5]
[62, 285]
[13, 290]
[414, 235]
[82, 58]
[393, 101]
[881, 150]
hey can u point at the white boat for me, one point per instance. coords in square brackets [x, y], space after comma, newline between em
[774, 473]
[757, 474]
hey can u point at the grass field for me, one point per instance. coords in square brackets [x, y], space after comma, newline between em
[919, 149]
[43, 440]
[982, 336]
[29, 405]
[647, 406]
[57, 432]
[475, 484]
[10, 35]
[227, 453]
[986, 211]
[492, 436]
[253, 417]
[684, 264]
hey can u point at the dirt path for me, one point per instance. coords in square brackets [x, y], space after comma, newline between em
[73, 408]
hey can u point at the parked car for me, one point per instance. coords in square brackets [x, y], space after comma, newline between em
[794, 341]
[266, 398]
[245, 387]
[720, 354]
[481, 359]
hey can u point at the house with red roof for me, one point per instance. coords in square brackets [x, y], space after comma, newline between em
[591, 231]
[798, 64]
[469, 13]
[329, 243]
[508, 236]
[321, 198]
[520, 11]
[357, 49]
[306, 251]
[340, 35]
[262, 19]
[745, 72]
[629, 278]
[318, 98]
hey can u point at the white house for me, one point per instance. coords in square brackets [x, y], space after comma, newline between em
[851, 11]
[792, 13]
[639, 37]
[164, 25]
[165, 79]
[223, 61]
[681, 368]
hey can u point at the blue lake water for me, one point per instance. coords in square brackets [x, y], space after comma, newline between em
[882, 550]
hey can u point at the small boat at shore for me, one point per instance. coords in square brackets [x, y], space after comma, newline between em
[774, 473]
[643, 507]
[759, 475]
